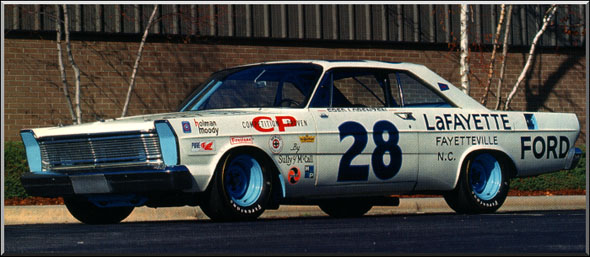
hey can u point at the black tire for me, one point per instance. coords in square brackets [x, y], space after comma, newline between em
[483, 185]
[345, 208]
[88, 213]
[246, 195]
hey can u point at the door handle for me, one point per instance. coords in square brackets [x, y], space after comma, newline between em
[405, 115]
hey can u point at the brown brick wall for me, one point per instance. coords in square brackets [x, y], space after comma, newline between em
[169, 71]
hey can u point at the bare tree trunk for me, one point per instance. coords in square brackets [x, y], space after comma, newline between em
[546, 20]
[136, 65]
[484, 99]
[62, 69]
[504, 57]
[464, 69]
[74, 66]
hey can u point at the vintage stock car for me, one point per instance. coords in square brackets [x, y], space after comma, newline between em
[344, 135]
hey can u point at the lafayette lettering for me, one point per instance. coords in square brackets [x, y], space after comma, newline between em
[468, 122]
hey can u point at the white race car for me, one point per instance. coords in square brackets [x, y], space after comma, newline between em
[344, 135]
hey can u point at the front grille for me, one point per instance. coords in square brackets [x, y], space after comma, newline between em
[92, 151]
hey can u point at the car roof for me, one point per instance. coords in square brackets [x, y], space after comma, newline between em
[344, 63]
[451, 92]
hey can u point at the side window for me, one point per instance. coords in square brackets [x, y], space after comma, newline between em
[359, 90]
[352, 88]
[414, 92]
[291, 92]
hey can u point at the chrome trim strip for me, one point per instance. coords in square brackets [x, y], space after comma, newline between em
[154, 165]
[93, 138]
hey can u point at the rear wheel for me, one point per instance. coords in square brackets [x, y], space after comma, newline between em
[240, 189]
[345, 208]
[483, 185]
[88, 213]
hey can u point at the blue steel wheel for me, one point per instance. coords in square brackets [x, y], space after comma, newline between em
[240, 188]
[483, 184]
[485, 176]
[244, 180]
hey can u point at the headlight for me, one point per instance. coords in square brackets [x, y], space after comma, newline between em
[32, 149]
[168, 142]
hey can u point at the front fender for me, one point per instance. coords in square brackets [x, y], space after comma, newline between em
[203, 166]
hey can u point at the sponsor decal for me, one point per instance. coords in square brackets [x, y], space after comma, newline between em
[186, 127]
[294, 175]
[541, 147]
[443, 87]
[307, 139]
[207, 127]
[309, 171]
[455, 121]
[268, 124]
[241, 140]
[205, 146]
[292, 159]
[275, 144]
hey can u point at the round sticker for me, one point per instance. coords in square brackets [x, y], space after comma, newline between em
[276, 144]
[294, 175]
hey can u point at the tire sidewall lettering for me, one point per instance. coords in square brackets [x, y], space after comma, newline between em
[256, 206]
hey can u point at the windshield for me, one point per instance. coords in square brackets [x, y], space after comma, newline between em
[270, 85]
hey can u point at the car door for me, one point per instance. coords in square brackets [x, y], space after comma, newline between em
[436, 121]
[364, 139]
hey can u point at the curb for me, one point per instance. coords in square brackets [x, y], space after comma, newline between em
[47, 214]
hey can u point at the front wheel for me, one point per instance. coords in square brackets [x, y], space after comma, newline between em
[88, 213]
[240, 188]
[483, 185]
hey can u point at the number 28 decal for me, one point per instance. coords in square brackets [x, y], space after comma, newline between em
[349, 172]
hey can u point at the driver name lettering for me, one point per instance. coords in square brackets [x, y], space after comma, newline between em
[359, 109]
[291, 159]
[468, 122]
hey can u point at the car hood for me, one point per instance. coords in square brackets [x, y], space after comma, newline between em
[137, 123]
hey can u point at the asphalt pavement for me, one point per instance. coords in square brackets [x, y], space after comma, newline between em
[48, 214]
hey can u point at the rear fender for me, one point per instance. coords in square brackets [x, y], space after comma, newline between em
[501, 154]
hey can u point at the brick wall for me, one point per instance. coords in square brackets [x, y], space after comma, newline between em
[170, 71]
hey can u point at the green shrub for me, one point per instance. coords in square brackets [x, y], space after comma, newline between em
[15, 164]
[564, 179]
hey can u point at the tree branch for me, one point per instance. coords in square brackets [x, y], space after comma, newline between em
[504, 57]
[546, 20]
[484, 99]
[136, 65]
